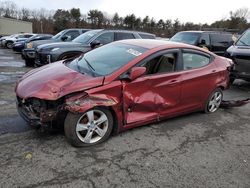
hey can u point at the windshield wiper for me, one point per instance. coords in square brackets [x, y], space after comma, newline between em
[88, 64]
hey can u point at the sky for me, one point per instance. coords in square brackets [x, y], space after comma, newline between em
[196, 11]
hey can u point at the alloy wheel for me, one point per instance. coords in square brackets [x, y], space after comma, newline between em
[92, 126]
[215, 101]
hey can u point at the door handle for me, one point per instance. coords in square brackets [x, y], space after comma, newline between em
[173, 81]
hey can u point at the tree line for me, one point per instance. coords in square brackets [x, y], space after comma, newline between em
[49, 21]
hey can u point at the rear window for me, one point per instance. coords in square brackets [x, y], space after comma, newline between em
[145, 36]
[123, 36]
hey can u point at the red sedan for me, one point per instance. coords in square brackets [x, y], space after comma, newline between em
[120, 86]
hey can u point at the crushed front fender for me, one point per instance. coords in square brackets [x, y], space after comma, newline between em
[82, 104]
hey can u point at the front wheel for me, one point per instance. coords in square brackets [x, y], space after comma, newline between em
[214, 101]
[89, 128]
[9, 45]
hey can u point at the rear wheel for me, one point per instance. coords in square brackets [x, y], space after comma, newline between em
[214, 101]
[89, 128]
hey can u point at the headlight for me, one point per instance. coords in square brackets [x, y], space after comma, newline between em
[29, 45]
[54, 49]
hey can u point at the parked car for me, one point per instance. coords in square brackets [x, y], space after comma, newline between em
[66, 35]
[122, 85]
[214, 41]
[9, 41]
[19, 45]
[239, 52]
[49, 53]
[2, 39]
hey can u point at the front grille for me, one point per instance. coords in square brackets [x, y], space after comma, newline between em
[242, 63]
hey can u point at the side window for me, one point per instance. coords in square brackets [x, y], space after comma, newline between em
[122, 36]
[162, 63]
[145, 36]
[219, 39]
[204, 40]
[72, 34]
[106, 38]
[193, 60]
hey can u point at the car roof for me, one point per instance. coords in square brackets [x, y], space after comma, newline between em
[215, 32]
[128, 31]
[152, 43]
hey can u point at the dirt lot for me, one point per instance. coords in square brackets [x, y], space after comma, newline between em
[196, 150]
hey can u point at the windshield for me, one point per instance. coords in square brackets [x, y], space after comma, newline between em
[58, 35]
[187, 37]
[106, 59]
[85, 37]
[244, 40]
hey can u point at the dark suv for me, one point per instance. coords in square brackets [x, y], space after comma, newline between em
[49, 53]
[66, 35]
[240, 54]
[214, 41]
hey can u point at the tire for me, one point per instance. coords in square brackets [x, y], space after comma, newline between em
[9, 45]
[214, 100]
[29, 63]
[89, 132]
[231, 80]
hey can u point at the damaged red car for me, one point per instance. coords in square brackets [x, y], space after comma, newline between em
[122, 85]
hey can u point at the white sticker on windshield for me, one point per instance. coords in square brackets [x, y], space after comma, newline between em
[134, 52]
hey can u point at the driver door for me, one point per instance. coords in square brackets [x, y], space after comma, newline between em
[155, 94]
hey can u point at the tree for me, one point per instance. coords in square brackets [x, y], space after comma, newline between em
[76, 16]
[145, 22]
[96, 17]
[129, 21]
[61, 19]
[116, 19]
[8, 9]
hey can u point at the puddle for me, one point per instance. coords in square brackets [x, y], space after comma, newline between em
[9, 77]
[6, 58]
[2, 103]
[12, 64]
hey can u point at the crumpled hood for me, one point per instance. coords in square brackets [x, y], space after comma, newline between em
[238, 50]
[53, 81]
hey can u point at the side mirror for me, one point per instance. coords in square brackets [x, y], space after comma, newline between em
[64, 38]
[95, 43]
[202, 42]
[136, 72]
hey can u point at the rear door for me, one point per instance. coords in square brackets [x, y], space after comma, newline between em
[155, 94]
[199, 78]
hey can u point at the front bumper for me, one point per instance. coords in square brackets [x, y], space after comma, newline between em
[27, 116]
[241, 67]
[29, 54]
[30, 115]
[42, 59]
